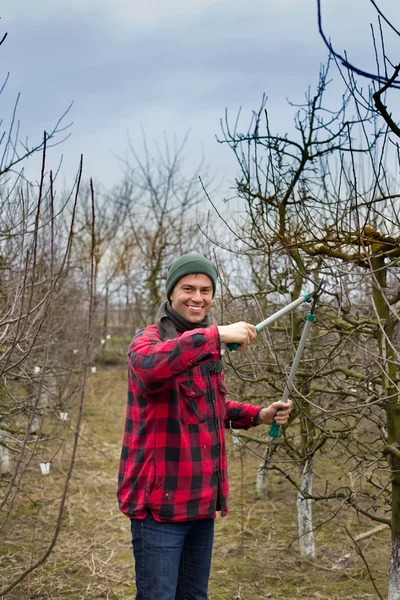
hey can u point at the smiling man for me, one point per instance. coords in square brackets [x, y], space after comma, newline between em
[173, 470]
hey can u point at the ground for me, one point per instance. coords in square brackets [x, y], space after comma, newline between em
[255, 552]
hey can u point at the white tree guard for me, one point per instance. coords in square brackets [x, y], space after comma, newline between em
[262, 477]
[35, 425]
[5, 463]
[394, 572]
[236, 443]
[304, 514]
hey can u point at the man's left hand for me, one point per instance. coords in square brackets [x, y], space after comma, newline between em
[270, 414]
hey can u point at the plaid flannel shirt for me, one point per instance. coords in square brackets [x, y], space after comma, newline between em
[173, 461]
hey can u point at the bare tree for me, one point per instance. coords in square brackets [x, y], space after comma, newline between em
[322, 203]
[386, 76]
[162, 221]
[111, 213]
[45, 346]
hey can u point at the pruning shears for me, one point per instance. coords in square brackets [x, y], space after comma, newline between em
[280, 313]
[275, 428]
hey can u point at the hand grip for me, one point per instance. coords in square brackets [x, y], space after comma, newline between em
[275, 428]
[232, 346]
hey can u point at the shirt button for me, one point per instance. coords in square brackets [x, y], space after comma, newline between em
[193, 394]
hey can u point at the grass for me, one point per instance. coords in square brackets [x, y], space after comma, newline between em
[255, 552]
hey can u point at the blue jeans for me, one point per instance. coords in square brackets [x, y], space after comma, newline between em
[172, 560]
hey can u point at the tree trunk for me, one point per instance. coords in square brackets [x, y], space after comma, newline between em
[105, 318]
[304, 514]
[394, 572]
[390, 393]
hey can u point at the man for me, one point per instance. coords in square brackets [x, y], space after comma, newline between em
[173, 471]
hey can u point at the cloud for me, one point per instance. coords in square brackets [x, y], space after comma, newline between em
[77, 57]
[169, 66]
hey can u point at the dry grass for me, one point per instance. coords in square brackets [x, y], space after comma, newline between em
[255, 553]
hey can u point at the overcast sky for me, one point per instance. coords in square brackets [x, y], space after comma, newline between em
[167, 66]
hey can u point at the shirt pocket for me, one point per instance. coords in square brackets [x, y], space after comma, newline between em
[222, 391]
[193, 405]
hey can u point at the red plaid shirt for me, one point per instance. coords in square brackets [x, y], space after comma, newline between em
[173, 460]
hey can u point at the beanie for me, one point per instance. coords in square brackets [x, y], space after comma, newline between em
[186, 265]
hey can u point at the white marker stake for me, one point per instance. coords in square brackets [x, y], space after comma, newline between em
[45, 468]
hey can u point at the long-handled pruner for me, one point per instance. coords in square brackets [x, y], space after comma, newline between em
[274, 431]
[280, 313]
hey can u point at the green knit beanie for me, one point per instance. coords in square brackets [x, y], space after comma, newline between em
[187, 264]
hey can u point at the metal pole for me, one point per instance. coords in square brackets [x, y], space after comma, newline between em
[274, 431]
[283, 311]
[280, 313]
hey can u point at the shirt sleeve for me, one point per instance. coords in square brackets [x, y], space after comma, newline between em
[154, 362]
[241, 416]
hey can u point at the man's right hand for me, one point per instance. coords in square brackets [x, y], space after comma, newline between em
[238, 333]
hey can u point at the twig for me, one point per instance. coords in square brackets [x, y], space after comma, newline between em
[360, 553]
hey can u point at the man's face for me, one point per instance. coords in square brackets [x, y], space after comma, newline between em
[192, 297]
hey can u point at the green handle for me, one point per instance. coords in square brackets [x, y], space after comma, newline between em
[232, 346]
[274, 431]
